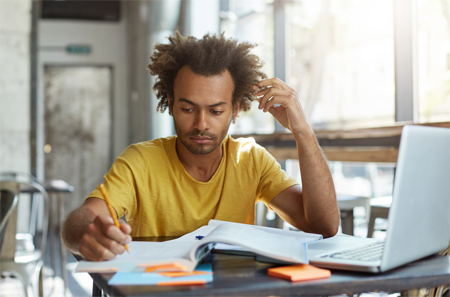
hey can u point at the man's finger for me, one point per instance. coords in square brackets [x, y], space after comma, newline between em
[92, 249]
[110, 230]
[272, 96]
[116, 234]
[124, 227]
[273, 83]
[109, 235]
[100, 239]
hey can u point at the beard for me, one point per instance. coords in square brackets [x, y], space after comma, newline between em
[201, 149]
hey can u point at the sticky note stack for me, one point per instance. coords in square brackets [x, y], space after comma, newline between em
[299, 272]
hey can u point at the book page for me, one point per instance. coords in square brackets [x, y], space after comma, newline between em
[144, 253]
[282, 247]
[306, 237]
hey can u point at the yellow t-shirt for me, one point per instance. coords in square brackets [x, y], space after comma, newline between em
[149, 184]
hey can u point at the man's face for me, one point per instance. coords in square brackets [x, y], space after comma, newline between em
[202, 109]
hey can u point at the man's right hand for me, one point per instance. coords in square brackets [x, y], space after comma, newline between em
[102, 240]
[90, 231]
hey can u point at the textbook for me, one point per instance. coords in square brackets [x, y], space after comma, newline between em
[184, 253]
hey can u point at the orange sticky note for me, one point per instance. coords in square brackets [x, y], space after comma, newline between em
[182, 273]
[182, 283]
[165, 267]
[299, 272]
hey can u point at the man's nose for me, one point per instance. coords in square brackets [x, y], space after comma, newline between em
[201, 122]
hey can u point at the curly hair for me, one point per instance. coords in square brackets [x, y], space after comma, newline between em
[208, 56]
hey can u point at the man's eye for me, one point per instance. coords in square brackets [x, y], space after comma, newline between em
[217, 112]
[187, 109]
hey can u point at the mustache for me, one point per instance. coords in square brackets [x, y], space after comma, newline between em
[202, 134]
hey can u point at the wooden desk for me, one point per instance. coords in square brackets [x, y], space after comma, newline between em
[242, 276]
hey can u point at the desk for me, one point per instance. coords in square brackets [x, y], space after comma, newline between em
[239, 276]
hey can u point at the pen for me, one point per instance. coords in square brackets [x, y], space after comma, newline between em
[111, 211]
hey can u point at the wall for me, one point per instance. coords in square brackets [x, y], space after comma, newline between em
[15, 25]
[15, 28]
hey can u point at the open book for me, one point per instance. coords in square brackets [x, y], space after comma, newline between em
[270, 244]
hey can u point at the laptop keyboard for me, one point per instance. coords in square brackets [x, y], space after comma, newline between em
[370, 252]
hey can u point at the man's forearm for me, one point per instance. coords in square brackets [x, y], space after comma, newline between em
[319, 196]
[74, 228]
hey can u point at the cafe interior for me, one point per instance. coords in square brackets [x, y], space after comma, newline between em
[75, 91]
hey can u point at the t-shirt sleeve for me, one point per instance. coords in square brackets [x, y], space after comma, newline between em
[120, 184]
[273, 179]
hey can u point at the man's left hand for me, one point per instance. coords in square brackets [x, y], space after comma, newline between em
[276, 97]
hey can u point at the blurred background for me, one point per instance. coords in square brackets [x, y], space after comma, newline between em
[75, 90]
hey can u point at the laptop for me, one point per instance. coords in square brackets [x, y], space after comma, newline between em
[419, 217]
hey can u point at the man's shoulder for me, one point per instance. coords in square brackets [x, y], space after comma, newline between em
[243, 145]
[241, 142]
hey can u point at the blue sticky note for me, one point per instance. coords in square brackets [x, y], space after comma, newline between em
[153, 278]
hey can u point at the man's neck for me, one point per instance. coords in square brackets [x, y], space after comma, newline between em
[200, 167]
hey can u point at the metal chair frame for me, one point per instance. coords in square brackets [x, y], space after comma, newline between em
[27, 265]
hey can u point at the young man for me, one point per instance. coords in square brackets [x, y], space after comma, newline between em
[172, 186]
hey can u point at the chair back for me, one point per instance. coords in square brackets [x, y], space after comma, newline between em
[8, 202]
[15, 181]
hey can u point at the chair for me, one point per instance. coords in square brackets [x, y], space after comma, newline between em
[8, 202]
[379, 209]
[55, 190]
[19, 256]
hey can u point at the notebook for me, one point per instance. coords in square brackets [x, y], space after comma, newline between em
[419, 217]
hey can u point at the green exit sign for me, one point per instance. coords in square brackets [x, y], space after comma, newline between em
[78, 49]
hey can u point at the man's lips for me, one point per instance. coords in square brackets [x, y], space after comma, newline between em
[201, 140]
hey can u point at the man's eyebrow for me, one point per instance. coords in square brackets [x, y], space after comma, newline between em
[195, 104]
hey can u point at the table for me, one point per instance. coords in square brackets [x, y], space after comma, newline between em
[347, 204]
[242, 276]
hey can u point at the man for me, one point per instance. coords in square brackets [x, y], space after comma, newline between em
[172, 186]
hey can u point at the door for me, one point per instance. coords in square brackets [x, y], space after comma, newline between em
[77, 127]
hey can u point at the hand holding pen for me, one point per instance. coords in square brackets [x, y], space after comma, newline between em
[111, 210]
[93, 231]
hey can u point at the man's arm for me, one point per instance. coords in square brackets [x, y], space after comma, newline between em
[313, 208]
[90, 231]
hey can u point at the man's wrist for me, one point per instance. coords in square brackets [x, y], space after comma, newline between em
[304, 134]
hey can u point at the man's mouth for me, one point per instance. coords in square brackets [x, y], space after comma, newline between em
[201, 140]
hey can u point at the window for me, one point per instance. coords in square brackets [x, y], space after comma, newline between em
[251, 21]
[340, 57]
[433, 59]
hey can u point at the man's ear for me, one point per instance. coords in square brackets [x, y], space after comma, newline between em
[236, 108]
